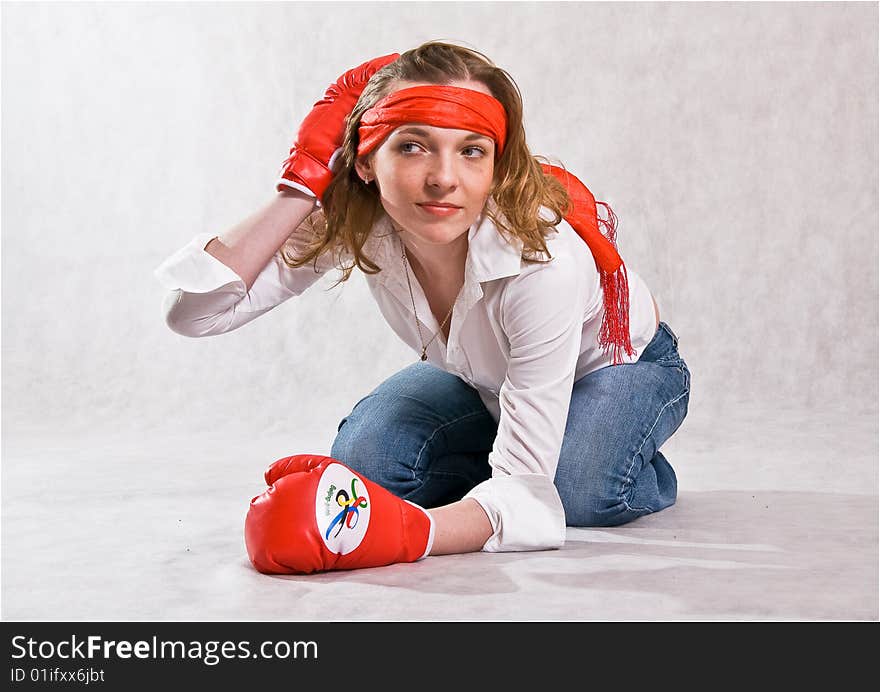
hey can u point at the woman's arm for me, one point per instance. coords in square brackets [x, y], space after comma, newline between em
[544, 333]
[247, 247]
[460, 527]
[208, 294]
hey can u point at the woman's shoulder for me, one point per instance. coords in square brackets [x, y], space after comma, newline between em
[566, 273]
[567, 253]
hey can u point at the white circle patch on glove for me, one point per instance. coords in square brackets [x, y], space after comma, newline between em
[342, 509]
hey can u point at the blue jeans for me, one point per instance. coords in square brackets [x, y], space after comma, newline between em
[425, 435]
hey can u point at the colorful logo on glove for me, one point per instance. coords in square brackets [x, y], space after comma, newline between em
[342, 509]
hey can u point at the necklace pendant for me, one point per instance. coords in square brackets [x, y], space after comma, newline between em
[424, 356]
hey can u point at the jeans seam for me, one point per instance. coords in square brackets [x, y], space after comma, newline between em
[433, 434]
[628, 479]
[668, 360]
[669, 331]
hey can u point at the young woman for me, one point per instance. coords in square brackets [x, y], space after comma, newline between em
[544, 383]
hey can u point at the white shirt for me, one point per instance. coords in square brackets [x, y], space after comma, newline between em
[521, 334]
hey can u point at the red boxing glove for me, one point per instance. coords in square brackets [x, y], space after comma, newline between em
[320, 515]
[309, 166]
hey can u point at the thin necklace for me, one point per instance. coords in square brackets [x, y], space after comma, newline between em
[416, 314]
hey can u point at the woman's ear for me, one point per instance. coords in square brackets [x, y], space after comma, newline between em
[364, 168]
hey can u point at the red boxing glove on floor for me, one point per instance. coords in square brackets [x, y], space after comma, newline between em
[309, 166]
[320, 515]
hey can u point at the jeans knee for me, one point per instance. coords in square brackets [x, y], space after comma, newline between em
[371, 451]
[601, 510]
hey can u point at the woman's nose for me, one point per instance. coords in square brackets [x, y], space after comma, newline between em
[442, 172]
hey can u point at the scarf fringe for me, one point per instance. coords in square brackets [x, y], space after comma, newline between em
[614, 332]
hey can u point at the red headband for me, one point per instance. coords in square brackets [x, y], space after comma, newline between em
[440, 106]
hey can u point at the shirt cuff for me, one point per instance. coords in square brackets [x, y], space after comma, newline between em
[192, 270]
[282, 183]
[525, 512]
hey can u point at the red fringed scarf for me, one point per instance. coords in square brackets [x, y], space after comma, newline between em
[584, 219]
[466, 109]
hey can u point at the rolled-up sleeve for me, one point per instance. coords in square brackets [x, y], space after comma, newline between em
[206, 297]
[542, 316]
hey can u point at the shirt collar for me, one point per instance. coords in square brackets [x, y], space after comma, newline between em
[491, 253]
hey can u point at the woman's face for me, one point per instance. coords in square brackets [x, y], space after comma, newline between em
[420, 164]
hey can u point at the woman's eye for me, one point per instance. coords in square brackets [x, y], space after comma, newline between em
[479, 150]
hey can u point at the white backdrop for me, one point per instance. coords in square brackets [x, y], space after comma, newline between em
[737, 143]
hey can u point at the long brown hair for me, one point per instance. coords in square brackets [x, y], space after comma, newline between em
[519, 189]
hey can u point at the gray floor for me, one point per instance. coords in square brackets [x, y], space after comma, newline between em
[768, 526]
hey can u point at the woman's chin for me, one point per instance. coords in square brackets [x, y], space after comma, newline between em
[440, 231]
[435, 235]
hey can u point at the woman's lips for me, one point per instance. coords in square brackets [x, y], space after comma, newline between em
[439, 211]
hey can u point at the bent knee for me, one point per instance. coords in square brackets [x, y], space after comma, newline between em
[602, 511]
[387, 457]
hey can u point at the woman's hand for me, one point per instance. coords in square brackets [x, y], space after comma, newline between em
[308, 167]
